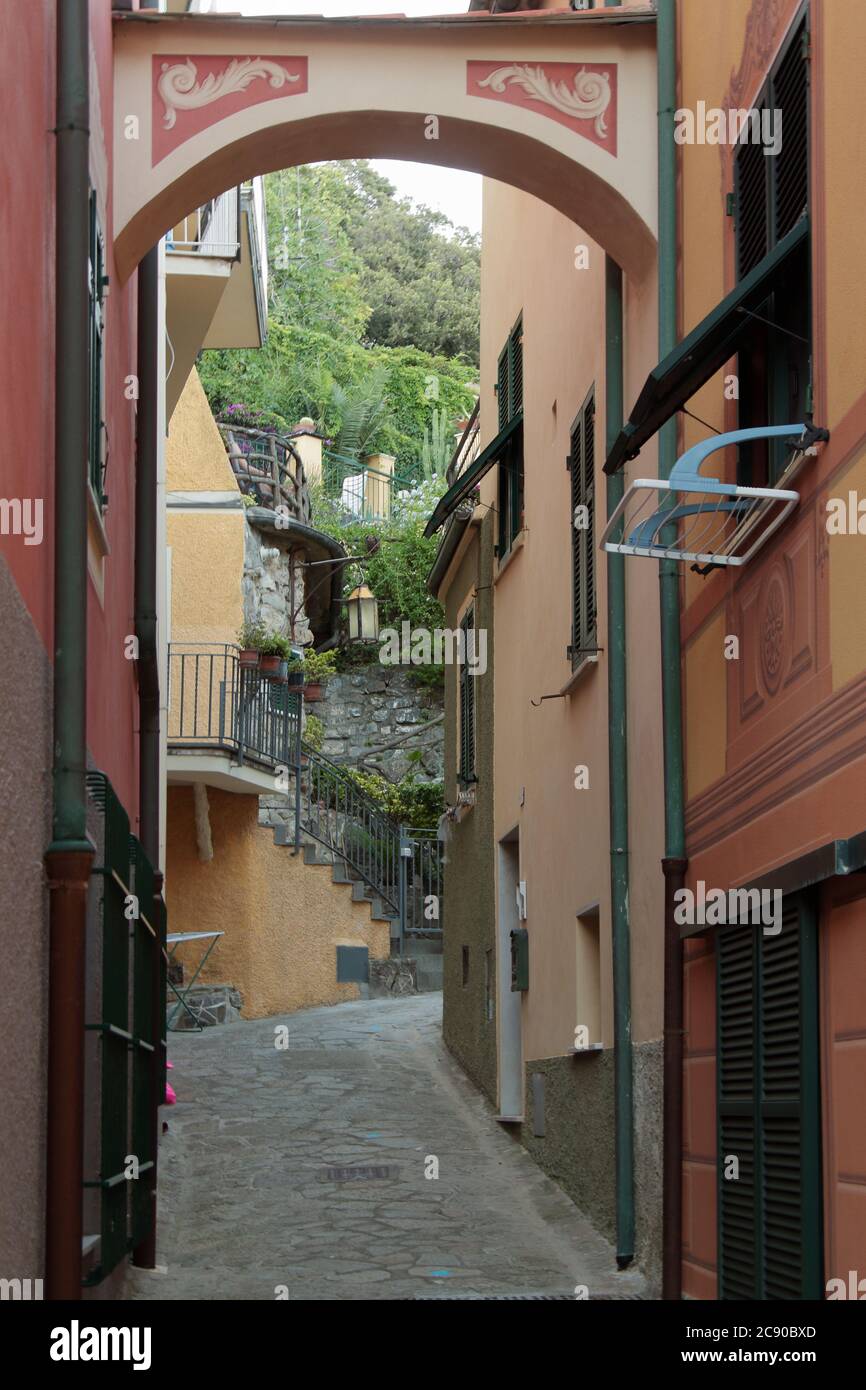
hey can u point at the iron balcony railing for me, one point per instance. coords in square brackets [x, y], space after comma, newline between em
[268, 469]
[214, 229]
[214, 702]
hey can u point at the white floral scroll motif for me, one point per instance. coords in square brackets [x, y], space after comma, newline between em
[588, 100]
[181, 91]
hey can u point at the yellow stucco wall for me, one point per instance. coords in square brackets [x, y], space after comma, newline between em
[706, 706]
[847, 609]
[207, 547]
[282, 919]
[195, 456]
[207, 563]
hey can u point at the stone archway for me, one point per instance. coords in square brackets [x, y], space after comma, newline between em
[560, 106]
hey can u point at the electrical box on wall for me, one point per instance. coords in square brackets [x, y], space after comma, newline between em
[519, 959]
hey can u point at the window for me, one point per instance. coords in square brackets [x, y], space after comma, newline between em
[466, 771]
[769, 1109]
[509, 391]
[97, 281]
[771, 195]
[581, 464]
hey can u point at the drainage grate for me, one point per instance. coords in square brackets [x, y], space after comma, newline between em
[370, 1172]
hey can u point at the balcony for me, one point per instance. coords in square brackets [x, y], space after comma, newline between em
[269, 470]
[216, 281]
[212, 230]
[228, 726]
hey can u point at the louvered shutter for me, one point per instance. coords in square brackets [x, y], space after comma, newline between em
[576, 567]
[582, 465]
[588, 625]
[790, 1109]
[515, 348]
[467, 703]
[790, 171]
[769, 1110]
[503, 386]
[751, 192]
[771, 192]
[738, 1136]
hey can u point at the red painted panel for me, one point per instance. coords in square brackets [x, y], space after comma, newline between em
[582, 96]
[194, 91]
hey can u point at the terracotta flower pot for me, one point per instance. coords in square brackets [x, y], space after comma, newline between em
[314, 692]
[269, 665]
[249, 658]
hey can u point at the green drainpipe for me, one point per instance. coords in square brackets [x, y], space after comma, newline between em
[69, 857]
[617, 694]
[618, 754]
[674, 862]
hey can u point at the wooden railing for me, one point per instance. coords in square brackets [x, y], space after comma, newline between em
[268, 469]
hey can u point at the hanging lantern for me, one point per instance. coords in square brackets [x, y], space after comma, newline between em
[363, 615]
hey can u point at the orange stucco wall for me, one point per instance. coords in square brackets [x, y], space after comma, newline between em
[778, 767]
[283, 919]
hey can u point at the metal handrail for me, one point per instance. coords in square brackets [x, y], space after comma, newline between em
[338, 813]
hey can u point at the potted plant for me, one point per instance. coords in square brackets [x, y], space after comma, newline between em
[274, 650]
[250, 639]
[318, 667]
[295, 670]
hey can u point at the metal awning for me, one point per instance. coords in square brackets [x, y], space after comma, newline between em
[476, 470]
[699, 356]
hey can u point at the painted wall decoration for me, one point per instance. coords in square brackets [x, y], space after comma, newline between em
[194, 91]
[581, 96]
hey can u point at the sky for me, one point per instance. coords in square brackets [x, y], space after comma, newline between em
[452, 191]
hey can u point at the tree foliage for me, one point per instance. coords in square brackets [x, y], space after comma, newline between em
[373, 316]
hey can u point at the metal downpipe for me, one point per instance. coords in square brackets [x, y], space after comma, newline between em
[618, 765]
[69, 857]
[674, 862]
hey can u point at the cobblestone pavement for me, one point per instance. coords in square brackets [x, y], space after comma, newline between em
[249, 1210]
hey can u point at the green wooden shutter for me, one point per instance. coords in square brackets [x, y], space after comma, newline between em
[503, 382]
[789, 173]
[589, 626]
[515, 361]
[467, 703]
[789, 1108]
[751, 193]
[583, 572]
[769, 1109]
[576, 467]
[737, 1087]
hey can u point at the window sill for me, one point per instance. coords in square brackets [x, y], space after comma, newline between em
[591, 1050]
[587, 663]
[516, 546]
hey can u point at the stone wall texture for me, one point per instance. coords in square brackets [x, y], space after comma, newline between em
[364, 709]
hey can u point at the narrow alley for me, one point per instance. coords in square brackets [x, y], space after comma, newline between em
[299, 1172]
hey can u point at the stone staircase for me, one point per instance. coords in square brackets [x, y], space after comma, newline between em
[415, 970]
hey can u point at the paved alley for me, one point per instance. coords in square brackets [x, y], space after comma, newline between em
[300, 1171]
